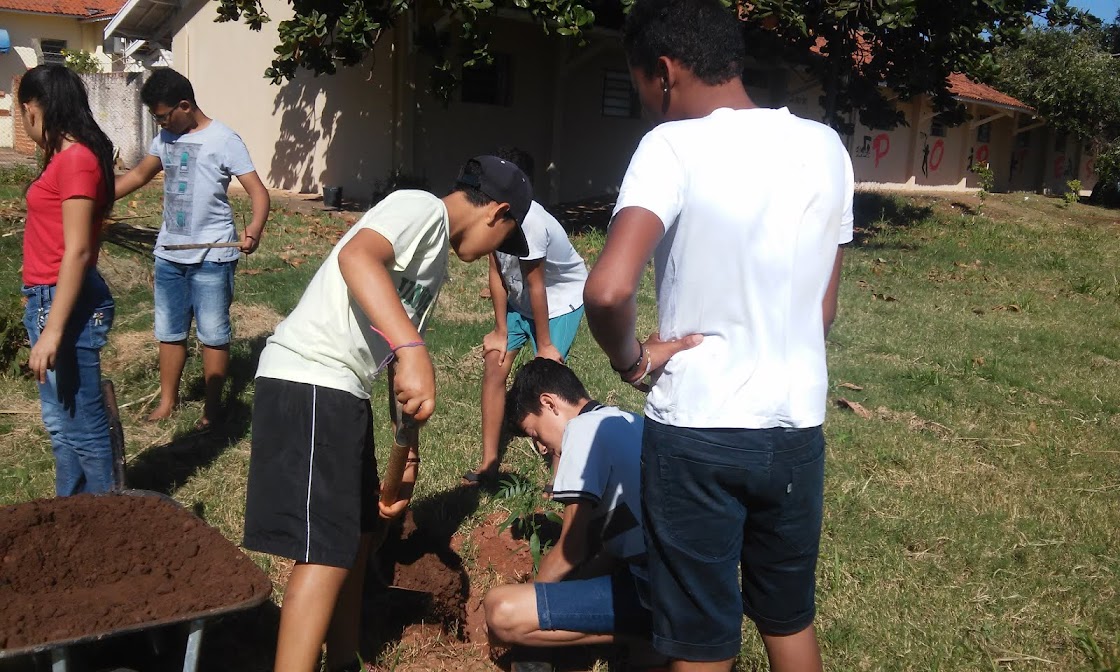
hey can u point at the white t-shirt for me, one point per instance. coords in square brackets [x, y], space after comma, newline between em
[197, 168]
[754, 204]
[327, 339]
[600, 462]
[564, 270]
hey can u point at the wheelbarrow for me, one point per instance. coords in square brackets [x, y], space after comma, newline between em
[60, 650]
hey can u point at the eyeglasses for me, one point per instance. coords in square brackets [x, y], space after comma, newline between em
[161, 118]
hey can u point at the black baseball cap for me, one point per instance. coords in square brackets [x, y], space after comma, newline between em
[505, 183]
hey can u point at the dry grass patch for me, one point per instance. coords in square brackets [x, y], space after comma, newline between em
[251, 320]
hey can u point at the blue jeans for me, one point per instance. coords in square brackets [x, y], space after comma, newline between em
[71, 399]
[601, 605]
[717, 502]
[203, 290]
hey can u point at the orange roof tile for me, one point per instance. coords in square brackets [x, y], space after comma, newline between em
[76, 8]
[963, 87]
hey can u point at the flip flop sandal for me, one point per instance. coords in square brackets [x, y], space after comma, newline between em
[482, 478]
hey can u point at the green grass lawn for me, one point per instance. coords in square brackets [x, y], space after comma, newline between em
[972, 514]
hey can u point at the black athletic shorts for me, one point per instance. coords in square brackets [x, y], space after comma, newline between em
[313, 485]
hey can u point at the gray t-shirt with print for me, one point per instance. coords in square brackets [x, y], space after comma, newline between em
[197, 169]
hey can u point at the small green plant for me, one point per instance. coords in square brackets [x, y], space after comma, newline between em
[1100, 659]
[13, 336]
[18, 175]
[1073, 191]
[522, 498]
[81, 62]
[987, 180]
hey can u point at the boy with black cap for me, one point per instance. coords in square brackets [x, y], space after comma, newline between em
[312, 475]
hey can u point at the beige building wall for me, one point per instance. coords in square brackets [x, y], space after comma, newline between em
[25, 31]
[1063, 157]
[1026, 159]
[1086, 170]
[304, 134]
[937, 159]
[593, 150]
[447, 135]
[882, 157]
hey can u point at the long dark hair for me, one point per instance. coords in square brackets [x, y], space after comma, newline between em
[62, 95]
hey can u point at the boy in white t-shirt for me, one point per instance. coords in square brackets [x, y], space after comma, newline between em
[313, 487]
[592, 585]
[743, 211]
[537, 297]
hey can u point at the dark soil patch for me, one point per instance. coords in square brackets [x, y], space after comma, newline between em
[429, 580]
[80, 566]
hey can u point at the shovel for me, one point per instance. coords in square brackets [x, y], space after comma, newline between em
[405, 439]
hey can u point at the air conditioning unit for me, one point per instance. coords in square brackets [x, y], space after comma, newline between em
[115, 45]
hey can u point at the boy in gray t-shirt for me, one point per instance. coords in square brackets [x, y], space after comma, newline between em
[198, 156]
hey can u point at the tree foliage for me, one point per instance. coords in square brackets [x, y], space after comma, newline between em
[854, 46]
[907, 46]
[326, 34]
[81, 62]
[1069, 75]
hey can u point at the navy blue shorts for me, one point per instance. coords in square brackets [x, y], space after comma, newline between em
[602, 605]
[715, 501]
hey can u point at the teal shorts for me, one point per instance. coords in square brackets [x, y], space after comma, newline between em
[562, 328]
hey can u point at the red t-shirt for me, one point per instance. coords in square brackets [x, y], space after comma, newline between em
[72, 173]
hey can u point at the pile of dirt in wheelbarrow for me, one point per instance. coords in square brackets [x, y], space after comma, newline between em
[78, 566]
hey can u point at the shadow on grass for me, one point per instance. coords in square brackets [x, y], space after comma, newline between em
[163, 468]
[877, 212]
[590, 214]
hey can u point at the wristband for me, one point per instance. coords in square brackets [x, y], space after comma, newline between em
[413, 344]
[639, 379]
[635, 365]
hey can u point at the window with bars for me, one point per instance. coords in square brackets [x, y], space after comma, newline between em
[937, 129]
[619, 97]
[984, 133]
[488, 83]
[52, 51]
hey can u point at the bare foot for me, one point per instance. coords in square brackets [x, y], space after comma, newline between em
[161, 413]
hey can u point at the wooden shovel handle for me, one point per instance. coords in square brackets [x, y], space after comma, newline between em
[405, 439]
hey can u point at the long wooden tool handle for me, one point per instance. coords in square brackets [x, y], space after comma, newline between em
[201, 246]
[116, 432]
[405, 439]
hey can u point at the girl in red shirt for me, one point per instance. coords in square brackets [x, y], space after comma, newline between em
[69, 308]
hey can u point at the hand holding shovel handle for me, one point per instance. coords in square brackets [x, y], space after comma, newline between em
[405, 440]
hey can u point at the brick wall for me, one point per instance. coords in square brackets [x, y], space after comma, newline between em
[22, 142]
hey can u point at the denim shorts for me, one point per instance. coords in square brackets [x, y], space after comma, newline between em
[717, 501]
[561, 329]
[602, 605]
[204, 291]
